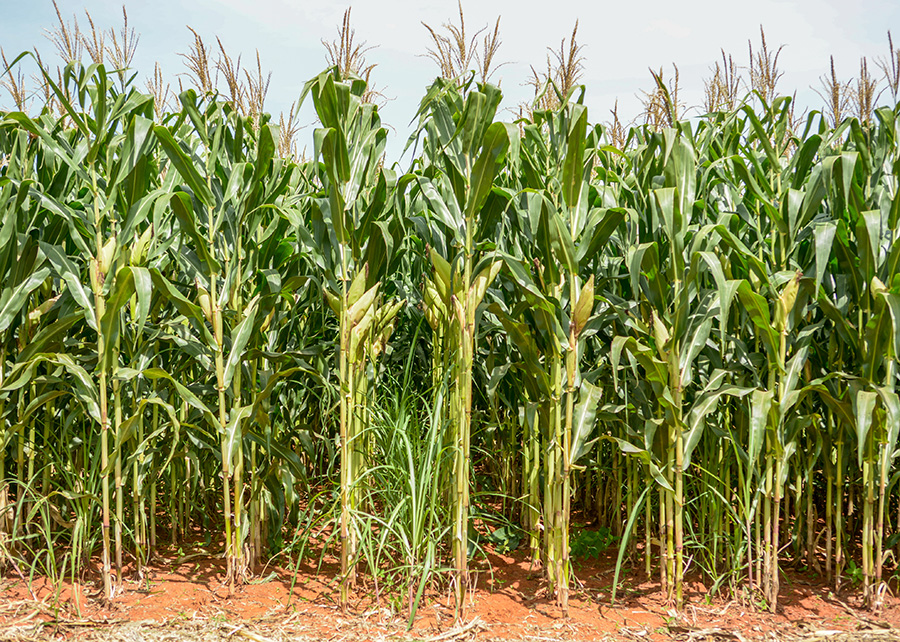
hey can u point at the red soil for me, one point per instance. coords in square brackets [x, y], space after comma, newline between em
[511, 602]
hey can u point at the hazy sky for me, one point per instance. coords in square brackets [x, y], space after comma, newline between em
[622, 39]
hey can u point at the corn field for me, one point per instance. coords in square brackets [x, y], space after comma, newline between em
[688, 332]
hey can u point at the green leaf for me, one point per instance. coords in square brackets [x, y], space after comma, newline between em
[126, 433]
[186, 395]
[573, 164]
[233, 434]
[490, 160]
[482, 282]
[446, 209]
[184, 166]
[181, 303]
[760, 405]
[561, 241]
[824, 236]
[599, 228]
[121, 292]
[239, 338]
[863, 406]
[184, 210]
[584, 419]
[336, 157]
[50, 337]
[143, 287]
[706, 403]
[623, 545]
[12, 302]
[758, 310]
[67, 272]
[698, 342]
[647, 458]
[892, 300]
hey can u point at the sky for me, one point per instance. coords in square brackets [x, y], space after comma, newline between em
[622, 40]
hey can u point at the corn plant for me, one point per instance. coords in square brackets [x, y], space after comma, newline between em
[687, 330]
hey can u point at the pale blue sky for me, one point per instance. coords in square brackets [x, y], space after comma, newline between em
[622, 39]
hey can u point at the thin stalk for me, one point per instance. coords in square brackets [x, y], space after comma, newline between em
[346, 407]
[670, 536]
[137, 505]
[231, 555]
[239, 530]
[120, 500]
[4, 489]
[884, 470]
[769, 556]
[465, 312]
[868, 530]
[571, 367]
[776, 522]
[839, 513]
[49, 413]
[173, 504]
[20, 458]
[761, 552]
[255, 513]
[533, 471]
[829, 495]
[99, 311]
[648, 481]
[810, 538]
[679, 503]
[153, 485]
[663, 549]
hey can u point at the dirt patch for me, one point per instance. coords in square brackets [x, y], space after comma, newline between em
[184, 599]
